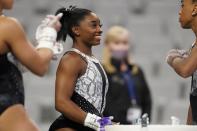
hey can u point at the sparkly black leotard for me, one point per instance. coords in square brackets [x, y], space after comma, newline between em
[11, 84]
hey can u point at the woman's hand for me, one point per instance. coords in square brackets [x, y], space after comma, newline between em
[46, 34]
[97, 123]
[172, 54]
[182, 62]
[53, 21]
[92, 121]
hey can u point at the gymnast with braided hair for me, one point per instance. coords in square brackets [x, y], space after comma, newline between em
[81, 82]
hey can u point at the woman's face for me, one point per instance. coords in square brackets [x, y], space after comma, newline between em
[119, 47]
[185, 13]
[6, 4]
[90, 30]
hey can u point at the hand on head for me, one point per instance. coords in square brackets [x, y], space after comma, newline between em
[53, 21]
[46, 34]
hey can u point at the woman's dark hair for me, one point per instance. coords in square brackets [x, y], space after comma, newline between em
[71, 17]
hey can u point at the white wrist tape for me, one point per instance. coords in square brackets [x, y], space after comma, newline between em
[45, 44]
[91, 121]
[46, 32]
[46, 37]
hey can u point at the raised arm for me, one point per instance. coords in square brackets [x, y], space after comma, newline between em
[14, 36]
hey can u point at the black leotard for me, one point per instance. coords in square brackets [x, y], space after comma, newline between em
[11, 84]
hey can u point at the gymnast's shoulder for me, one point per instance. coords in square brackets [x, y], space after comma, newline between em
[71, 60]
[9, 23]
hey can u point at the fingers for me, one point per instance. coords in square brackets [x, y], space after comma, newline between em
[53, 21]
[46, 21]
[180, 53]
[59, 16]
[171, 55]
[184, 53]
[52, 18]
[173, 51]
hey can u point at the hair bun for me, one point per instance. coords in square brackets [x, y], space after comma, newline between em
[66, 11]
[71, 8]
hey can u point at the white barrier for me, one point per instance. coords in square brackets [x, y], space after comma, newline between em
[151, 128]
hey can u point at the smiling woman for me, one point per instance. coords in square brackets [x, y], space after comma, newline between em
[81, 83]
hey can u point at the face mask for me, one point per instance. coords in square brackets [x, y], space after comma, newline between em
[119, 54]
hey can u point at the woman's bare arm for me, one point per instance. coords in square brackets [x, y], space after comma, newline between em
[14, 36]
[186, 67]
[68, 71]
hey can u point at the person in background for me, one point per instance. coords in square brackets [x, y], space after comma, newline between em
[128, 95]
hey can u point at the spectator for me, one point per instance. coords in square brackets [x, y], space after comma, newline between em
[128, 96]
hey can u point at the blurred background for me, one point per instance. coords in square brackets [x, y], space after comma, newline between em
[154, 31]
